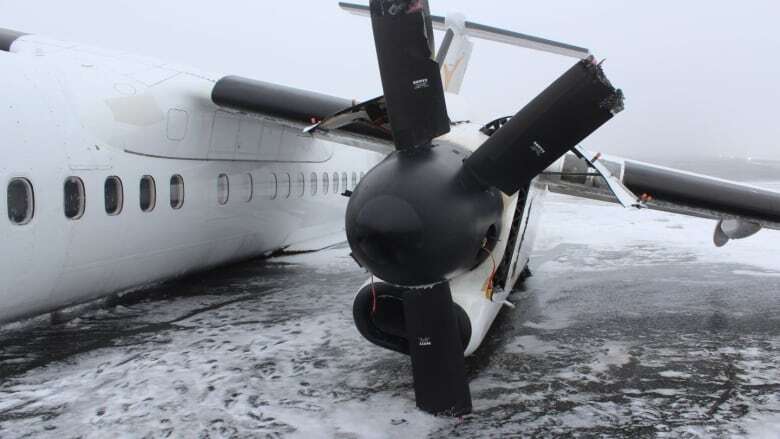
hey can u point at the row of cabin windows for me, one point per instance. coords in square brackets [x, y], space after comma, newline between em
[286, 186]
[21, 197]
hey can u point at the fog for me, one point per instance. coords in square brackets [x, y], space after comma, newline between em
[700, 77]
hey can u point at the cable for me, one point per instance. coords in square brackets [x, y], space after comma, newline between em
[491, 279]
[373, 296]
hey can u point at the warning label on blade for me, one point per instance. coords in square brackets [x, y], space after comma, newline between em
[421, 83]
[424, 341]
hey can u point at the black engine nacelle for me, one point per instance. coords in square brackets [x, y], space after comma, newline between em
[378, 311]
[419, 218]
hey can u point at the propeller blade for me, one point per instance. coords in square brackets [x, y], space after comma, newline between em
[411, 80]
[568, 111]
[436, 349]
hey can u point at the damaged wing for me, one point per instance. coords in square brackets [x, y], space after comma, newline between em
[364, 126]
[742, 210]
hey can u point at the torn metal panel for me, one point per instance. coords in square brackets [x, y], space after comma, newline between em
[368, 118]
[624, 196]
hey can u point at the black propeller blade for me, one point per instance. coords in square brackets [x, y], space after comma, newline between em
[568, 111]
[411, 80]
[440, 385]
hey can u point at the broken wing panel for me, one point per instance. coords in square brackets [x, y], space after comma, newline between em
[740, 209]
[362, 126]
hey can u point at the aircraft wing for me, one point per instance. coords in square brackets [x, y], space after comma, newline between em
[741, 210]
[364, 126]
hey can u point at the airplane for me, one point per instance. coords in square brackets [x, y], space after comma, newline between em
[122, 171]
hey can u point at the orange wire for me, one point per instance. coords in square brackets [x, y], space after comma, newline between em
[491, 279]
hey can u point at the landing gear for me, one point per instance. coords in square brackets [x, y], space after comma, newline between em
[524, 275]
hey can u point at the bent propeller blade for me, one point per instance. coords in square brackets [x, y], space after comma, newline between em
[438, 366]
[568, 111]
[411, 78]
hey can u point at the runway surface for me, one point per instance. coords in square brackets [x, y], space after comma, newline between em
[633, 325]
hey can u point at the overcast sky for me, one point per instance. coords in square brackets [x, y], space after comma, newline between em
[701, 77]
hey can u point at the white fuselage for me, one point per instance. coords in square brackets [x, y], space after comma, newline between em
[252, 185]
[73, 111]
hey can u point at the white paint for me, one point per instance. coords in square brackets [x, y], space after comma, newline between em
[63, 119]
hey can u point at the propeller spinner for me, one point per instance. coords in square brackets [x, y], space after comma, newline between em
[429, 213]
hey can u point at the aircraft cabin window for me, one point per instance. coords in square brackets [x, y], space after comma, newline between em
[313, 181]
[325, 183]
[301, 185]
[248, 189]
[75, 198]
[287, 183]
[336, 183]
[148, 193]
[272, 188]
[21, 201]
[177, 192]
[354, 180]
[344, 181]
[114, 196]
[223, 189]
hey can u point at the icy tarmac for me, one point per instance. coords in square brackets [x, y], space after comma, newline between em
[633, 325]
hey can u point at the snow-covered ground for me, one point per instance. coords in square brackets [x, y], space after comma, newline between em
[634, 324]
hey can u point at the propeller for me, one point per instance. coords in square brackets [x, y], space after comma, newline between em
[429, 213]
[403, 33]
[440, 384]
[556, 121]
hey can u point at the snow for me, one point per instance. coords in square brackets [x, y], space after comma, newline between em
[634, 324]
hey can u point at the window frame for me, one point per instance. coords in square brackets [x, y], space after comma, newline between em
[289, 185]
[227, 189]
[301, 182]
[120, 195]
[83, 195]
[180, 188]
[335, 184]
[313, 183]
[30, 193]
[325, 183]
[248, 197]
[153, 193]
[275, 193]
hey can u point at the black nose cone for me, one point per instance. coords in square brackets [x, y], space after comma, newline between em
[389, 231]
[412, 221]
